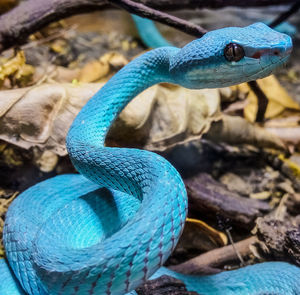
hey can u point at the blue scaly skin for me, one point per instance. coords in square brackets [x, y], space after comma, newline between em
[149, 33]
[110, 228]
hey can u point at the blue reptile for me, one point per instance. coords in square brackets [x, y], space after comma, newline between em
[111, 227]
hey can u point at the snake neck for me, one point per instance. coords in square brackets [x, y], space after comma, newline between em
[149, 33]
[143, 244]
[102, 109]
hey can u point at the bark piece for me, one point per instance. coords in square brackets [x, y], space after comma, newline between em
[280, 240]
[293, 204]
[211, 197]
[164, 285]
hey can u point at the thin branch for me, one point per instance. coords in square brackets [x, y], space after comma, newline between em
[214, 260]
[262, 101]
[238, 254]
[261, 96]
[162, 17]
[284, 16]
[212, 4]
[32, 15]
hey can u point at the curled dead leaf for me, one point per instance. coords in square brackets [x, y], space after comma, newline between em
[93, 71]
[47, 161]
[261, 195]
[41, 116]
[159, 117]
[166, 115]
[219, 238]
[16, 69]
[279, 100]
[96, 70]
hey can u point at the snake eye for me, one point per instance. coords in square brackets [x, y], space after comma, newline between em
[234, 52]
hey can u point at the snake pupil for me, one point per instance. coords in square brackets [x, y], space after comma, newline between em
[234, 52]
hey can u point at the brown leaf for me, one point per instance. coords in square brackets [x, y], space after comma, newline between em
[99, 69]
[219, 238]
[159, 117]
[279, 100]
[286, 128]
[236, 130]
[16, 68]
[41, 115]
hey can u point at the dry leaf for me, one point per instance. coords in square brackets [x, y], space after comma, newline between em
[166, 115]
[93, 71]
[219, 238]
[282, 111]
[47, 161]
[41, 116]
[159, 117]
[286, 128]
[98, 69]
[235, 183]
[279, 100]
[59, 46]
[55, 73]
[16, 68]
[261, 195]
[236, 130]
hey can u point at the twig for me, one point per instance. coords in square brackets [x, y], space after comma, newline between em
[62, 33]
[284, 16]
[238, 254]
[262, 101]
[212, 4]
[261, 97]
[162, 17]
[215, 259]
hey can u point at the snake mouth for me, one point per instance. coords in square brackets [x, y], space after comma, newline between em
[272, 52]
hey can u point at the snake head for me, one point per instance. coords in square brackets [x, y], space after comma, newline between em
[230, 56]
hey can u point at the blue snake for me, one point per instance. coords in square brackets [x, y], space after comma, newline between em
[110, 228]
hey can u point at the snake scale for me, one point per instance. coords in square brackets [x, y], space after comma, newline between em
[111, 227]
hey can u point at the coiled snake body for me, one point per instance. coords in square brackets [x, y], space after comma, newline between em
[109, 229]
